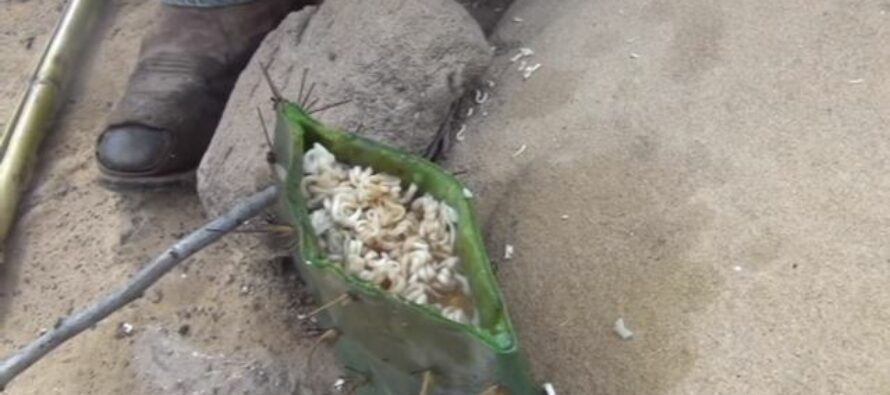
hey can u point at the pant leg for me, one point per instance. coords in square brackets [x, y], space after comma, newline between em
[206, 3]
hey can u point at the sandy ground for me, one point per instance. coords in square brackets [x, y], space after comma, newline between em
[721, 166]
[74, 240]
[722, 169]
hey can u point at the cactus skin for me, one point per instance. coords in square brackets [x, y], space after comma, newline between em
[386, 342]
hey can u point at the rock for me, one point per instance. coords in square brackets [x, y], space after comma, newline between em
[235, 162]
[400, 63]
[487, 13]
[166, 364]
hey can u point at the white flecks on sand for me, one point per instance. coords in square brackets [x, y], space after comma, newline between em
[481, 96]
[461, 133]
[548, 389]
[528, 71]
[520, 150]
[523, 52]
[508, 252]
[621, 330]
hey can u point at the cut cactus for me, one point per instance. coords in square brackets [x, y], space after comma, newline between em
[392, 346]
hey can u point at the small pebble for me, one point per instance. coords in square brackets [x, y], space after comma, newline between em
[156, 296]
[124, 329]
[340, 385]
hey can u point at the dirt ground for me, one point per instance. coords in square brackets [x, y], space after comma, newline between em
[713, 172]
[75, 240]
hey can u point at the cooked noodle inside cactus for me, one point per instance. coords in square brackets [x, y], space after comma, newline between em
[376, 231]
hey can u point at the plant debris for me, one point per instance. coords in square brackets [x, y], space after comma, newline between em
[621, 330]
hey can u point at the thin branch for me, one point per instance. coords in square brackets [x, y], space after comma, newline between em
[69, 327]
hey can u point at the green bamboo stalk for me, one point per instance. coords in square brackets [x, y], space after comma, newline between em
[36, 110]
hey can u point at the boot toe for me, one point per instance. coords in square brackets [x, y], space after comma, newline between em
[132, 149]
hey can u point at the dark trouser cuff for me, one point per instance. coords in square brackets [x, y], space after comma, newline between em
[205, 3]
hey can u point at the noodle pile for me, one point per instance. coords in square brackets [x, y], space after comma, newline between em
[402, 243]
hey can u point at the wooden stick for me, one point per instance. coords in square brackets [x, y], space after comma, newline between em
[69, 327]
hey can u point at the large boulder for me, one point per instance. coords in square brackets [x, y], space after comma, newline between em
[399, 63]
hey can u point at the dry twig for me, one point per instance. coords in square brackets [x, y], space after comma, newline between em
[69, 327]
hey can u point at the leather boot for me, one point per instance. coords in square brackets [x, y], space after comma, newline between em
[188, 64]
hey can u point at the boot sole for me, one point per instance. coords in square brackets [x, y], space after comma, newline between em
[120, 183]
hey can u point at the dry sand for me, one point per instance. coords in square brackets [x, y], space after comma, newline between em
[723, 169]
[722, 166]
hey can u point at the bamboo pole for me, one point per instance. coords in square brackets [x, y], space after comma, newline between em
[36, 110]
